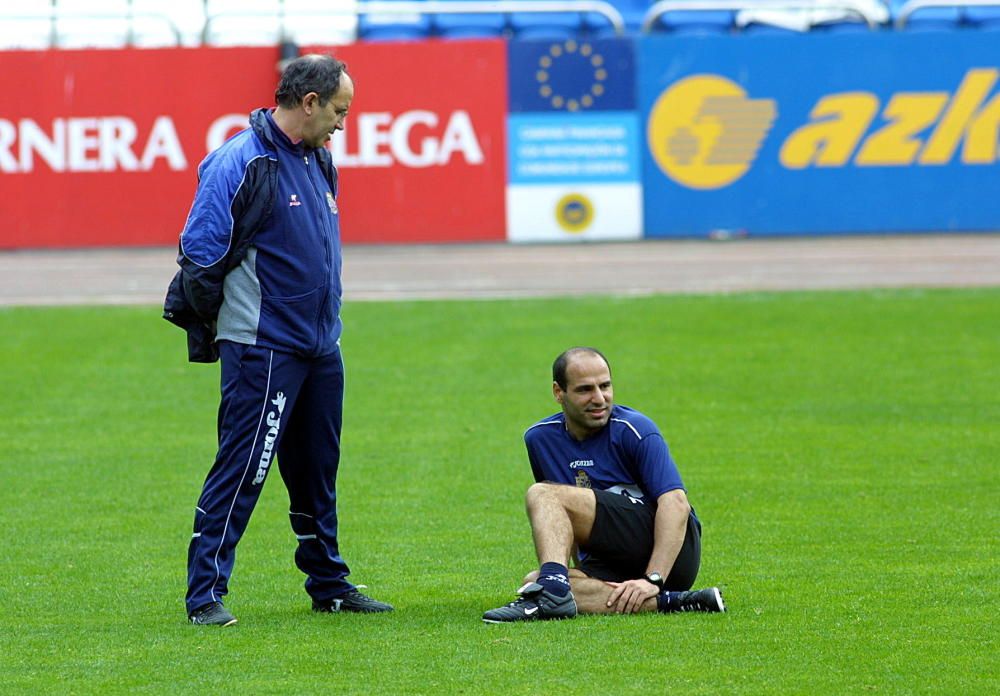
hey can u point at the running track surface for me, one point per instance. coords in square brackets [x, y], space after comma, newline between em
[141, 275]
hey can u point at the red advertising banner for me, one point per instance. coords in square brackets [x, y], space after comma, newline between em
[101, 148]
[424, 157]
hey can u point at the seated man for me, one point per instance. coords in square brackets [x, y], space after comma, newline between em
[608, 492]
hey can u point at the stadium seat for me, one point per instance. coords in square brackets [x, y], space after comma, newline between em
[986, 18]
[934, 19]
[243, 22]
[92, 23]
[155, 20]
[547, 25]
[474, 25]
[810, 19]
[696, 22]
[156, 23]
[844, 26]
[394, 27]
[875, 11]
[27, 24]
[771, 22]
[324, 22]
[597, 26]
[928, 18]
[632, 11]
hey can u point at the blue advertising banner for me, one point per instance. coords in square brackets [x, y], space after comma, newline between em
[573, 141]
[572, 76]
[880, 132]
[597, 148]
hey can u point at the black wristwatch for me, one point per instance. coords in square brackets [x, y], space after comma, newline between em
[655, 578]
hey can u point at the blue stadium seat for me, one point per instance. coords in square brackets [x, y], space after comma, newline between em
[547, 25]
[471, 25]
[393, 27]
[632, 12]
[934, 19]
[598, 26]
[928, 18]
[696, 22]
[985, 18]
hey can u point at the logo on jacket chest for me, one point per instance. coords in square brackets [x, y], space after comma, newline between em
[294, 202]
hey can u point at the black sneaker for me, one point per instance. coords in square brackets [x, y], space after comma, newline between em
[212, 614]
[709, 599]
[534, 603]
[352, 601]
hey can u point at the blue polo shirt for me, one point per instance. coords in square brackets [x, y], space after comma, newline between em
[627, 456]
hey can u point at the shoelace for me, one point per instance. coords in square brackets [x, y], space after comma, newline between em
[364, 599]
[521, 602]
[696, 604]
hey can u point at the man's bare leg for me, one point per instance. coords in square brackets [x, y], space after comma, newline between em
[560, 517]
[592, 594]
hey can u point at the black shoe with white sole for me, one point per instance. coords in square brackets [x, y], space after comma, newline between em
[213, 614]
[534, 603]
[353, 601]
[709, 599]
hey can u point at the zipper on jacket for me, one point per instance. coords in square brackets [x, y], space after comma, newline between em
[329, 260]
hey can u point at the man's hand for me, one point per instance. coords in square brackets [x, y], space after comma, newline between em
[627, 597]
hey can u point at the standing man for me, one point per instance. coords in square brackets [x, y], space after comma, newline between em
[609, 494]
[259, 286]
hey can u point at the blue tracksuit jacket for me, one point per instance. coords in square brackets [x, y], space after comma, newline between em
[260, 257]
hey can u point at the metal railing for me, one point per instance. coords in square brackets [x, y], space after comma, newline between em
[859, 9]
[389, 8]
[856, 8]
[908, 8]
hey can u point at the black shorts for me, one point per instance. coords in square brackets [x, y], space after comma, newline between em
[622, 541]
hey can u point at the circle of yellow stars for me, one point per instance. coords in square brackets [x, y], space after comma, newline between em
[580, 101]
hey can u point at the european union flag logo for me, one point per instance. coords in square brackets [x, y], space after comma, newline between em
[572, 75]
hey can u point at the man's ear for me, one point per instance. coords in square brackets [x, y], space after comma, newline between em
[557, 391]
[309, 102]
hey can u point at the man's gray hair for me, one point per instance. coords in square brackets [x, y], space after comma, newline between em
[309, 73]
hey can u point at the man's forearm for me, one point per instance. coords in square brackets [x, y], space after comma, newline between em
[669, 529]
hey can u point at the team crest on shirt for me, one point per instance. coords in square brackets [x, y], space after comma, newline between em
[582, 480]
[294, 201]
[332, 202]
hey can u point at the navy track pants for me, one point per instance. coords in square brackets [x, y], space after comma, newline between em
[272, 403]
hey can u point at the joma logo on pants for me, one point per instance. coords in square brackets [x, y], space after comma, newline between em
[273, 422]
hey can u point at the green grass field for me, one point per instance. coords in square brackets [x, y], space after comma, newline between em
[842, 450]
